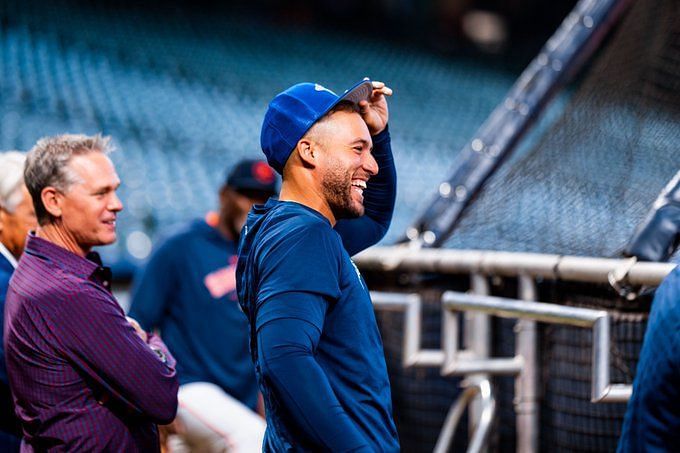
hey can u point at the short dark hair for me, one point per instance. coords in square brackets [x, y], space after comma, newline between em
[342, 106]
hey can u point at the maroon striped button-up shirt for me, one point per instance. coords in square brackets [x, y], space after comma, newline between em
[82, 379]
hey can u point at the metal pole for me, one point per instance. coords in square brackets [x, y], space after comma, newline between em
[477, 340]
[526, 383]
[602, 389]
[512, 308]
[409, 304]
[509, 264]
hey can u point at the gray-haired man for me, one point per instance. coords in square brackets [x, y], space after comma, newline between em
[82, 377]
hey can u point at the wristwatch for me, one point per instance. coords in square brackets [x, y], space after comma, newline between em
[161, 355]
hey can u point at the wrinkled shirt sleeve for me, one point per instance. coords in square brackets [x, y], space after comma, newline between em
[94, 334]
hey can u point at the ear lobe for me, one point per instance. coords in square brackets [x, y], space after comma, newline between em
[51, 199]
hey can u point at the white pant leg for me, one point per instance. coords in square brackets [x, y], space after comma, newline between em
[212, 421]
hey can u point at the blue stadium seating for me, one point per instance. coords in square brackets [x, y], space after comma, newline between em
[184, 99]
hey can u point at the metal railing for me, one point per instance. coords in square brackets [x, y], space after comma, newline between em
[602, 391]
[509, 264]
[472, 360]
[409, 304]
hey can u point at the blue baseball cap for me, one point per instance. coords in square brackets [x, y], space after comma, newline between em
[293, 112]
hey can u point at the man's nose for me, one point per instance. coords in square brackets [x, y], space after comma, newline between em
[115, 204]
[370, 165]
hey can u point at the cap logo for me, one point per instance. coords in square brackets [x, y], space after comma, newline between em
[318, 87]
[263, 173]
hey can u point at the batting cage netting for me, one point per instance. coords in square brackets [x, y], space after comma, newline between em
[595, 173]
[580, 188]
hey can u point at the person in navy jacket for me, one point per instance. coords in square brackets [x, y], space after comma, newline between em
[17, 218]
[187, 291]
[652, 421]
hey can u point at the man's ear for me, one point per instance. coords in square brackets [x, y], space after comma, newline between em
[2, 219]
[306, 151]
[52, 199]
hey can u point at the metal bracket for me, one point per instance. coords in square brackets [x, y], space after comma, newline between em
[602, 389]
[464, 361]
[410, 305]
[618, 279]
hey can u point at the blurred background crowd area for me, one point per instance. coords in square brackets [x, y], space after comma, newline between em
[182, 86]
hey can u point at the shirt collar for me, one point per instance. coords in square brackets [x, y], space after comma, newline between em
[273, 202]
[4, 252]
[67, 260]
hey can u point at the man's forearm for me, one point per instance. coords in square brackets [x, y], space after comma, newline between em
[285, 347]
[109, 350]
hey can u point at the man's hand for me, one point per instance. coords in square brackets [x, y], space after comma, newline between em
[142, 334]
[165, 431]
[374, 111]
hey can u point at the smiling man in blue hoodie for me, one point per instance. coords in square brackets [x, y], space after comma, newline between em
[314, 340]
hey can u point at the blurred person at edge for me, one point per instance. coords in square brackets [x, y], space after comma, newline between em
[652, 420]
[17, 218]
[187, 290]
[83, 377]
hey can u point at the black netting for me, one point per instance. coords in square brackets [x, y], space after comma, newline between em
[569, 421]
[503, 345]
[594, 174]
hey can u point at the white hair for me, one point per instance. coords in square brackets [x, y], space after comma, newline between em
[11, 179]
